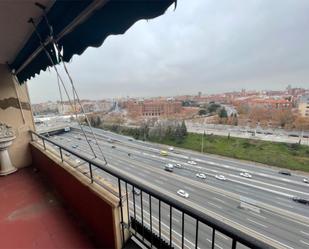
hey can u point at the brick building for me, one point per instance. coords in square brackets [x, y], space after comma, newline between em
[153, 108]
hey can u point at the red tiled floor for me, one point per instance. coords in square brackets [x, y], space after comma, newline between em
[31, 216]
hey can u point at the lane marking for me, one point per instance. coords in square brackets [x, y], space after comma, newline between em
[256, 223]
[258, 215]
[301, 241]
[283, 204]
[210, 203]
[304, 233]
[222, 236]
[219, 200]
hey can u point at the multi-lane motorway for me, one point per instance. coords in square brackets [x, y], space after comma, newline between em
[275, 216]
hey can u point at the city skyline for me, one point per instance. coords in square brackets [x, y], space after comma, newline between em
[178, 95]
[226, 46]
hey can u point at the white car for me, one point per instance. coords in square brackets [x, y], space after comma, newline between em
[77, 160]
[67, 154]
[171, 148]
[306, 180]
[201, 175]
[183, 193]
[246, 174]
[192, 162]
[220, 177]
[178, 165]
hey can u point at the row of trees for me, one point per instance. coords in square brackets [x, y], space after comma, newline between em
[161, 130]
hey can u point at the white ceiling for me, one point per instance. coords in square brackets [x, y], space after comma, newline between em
[14, 27]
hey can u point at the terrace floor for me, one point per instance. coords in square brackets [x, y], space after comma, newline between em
[32, 217]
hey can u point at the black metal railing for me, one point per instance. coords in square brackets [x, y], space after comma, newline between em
[155, 217]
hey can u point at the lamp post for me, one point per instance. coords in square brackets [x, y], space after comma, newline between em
[6, 140]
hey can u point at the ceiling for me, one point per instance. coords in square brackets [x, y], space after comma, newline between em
[14, 27]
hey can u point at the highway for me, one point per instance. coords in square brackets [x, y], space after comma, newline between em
[279, 218]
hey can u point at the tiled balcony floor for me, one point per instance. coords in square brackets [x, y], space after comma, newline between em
[31, 216]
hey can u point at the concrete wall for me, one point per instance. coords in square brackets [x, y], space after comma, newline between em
[10, 113]
[97, 208]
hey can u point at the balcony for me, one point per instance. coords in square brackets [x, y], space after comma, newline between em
[134, 208]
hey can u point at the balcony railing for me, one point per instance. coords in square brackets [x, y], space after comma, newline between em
[149, 214]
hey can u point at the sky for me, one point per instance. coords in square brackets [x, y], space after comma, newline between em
[210, 46]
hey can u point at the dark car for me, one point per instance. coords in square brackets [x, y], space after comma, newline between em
[301, 200]
[283, 172]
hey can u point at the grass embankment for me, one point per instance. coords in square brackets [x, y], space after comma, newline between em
[284, 155]
[290, 156]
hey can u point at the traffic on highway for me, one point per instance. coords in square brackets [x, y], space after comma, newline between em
[267, 201]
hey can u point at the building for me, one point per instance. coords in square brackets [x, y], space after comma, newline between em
[303, 106]
[153, 108]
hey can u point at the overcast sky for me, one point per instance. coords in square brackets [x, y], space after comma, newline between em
[204, 45]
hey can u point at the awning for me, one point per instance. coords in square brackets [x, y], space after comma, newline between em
[81, 24]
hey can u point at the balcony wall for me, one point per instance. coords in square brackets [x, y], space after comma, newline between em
[97, 208]
[19, 118]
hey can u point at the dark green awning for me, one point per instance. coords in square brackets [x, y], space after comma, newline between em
[111, 18]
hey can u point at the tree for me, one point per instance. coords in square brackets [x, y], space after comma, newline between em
[202, 112]
[222, 113]
[98, 122]
[183, 129]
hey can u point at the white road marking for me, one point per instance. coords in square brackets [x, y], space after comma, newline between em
[223, 236]
[283, 204]
[257, 223]
[219, 200]
[301, 241]
[210, 203]
[258, 215]
[304, 233]
[159, 182]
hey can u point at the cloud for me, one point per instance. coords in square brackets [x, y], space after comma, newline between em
[205, 45]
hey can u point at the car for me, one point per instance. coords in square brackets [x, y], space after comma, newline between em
[169, 167]
[113, 146]
[284, 172]
[201, 175]
[246, 174]
[171, 148]
[163, 153]
[220, 177]
[74, 146]
[305, 180]
[137, 191]
[67, 154]
[130, 139]
[110, 140]
[183, 193]
[77, 160]
[192, 162]
[301, 200]
[178, 165]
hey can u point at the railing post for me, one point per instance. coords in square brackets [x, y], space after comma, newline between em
[134, 209]
[234, 244]
[160, 221]
[43, 140]
[171, 226]
[60, 149]
[142, 214]
[196, 235]
[90, 169]
[121, 211]
[128, 207]
[213, 238]
[183, 230]
[150, 220]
